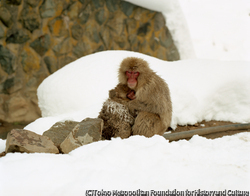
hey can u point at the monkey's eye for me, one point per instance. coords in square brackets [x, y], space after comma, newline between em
[129, 72]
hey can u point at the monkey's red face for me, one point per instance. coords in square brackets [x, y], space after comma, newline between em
[132, 78]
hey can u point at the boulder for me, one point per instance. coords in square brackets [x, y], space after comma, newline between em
[59, 131]
[87, 131]
[19, 140]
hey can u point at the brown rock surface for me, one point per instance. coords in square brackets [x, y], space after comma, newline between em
[59, 131]
[87, 131]
[19, 140]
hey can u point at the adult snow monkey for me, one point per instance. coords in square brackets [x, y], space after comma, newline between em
[149, 97]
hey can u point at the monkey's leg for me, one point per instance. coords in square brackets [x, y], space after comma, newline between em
[148, 124]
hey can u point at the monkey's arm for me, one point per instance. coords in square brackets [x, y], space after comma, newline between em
[136, 105]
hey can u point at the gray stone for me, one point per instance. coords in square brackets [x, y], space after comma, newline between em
[77, 31]
[19, 140]
[8, 84]
[84, 15]
[173, 54]
[81, 49]
[33, 3]
[87, 131]
[63, 47]
[17, 36]
[159, 21]
[2, 33]
[165, 38]
[97, 3]
[51, 63]
[127, 8]
[47, 9]
[5, 16]
[101, 16]
[64, 60]
[41, 45]
[14, 2]
[30, 19]
[6, 60]
[112, 5]
[59, 131]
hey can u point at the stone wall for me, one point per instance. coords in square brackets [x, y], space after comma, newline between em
[38, 37]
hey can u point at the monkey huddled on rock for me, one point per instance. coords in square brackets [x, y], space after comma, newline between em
[139, 105]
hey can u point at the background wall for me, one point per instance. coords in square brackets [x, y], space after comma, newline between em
[38, 37]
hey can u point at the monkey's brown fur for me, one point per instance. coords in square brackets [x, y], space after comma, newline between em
[152, 107]
[115, 114]
[152, 102]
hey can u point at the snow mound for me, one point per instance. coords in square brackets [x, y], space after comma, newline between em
[200, 89]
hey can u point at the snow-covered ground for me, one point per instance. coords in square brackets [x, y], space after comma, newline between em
[200, 90]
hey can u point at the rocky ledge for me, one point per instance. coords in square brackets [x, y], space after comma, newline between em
[62, 137]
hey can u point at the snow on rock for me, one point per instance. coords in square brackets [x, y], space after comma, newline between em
[175, 21]
[200, 89]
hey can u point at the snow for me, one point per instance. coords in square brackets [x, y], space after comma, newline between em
[131, 164]
[201, 89]
[207, 29]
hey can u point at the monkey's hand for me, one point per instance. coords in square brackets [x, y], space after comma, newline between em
[135, 105]
[131, 95]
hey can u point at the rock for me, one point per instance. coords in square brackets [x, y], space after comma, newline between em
[14, 2]
[5, 16]
[17, 107]
[77, 31]
[51, 63]
[41, 45]
[30, 19]
[84, 15]
[47, 9]
[64, 60]
[73, 11]
[63, 47]
[2, 33]
[173, 54]
[17, 36]
[59, 131]
[101, 16]
[92, 32]
[97, 3]
[29, 60]
[59, 27]
[165, 38]
[8, 84]
[81, 49]
[117, 24]
[112, 5]
[6, 60]
[19, 140]
[159, 21]
[87, 131]
[127, 8]
[33, 3]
